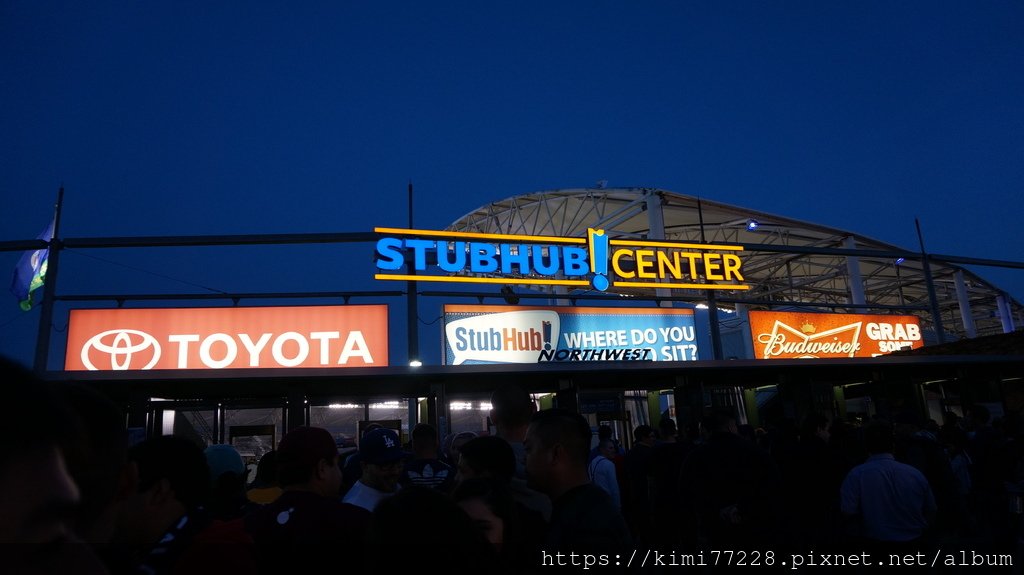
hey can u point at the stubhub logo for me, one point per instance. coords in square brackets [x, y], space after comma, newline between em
[508, 337]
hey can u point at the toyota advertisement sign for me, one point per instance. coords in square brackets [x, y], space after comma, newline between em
[783, 335]
[227, 338]
[476, 334]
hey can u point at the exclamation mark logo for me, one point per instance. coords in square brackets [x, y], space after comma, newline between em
[598, 258]
[545, 327]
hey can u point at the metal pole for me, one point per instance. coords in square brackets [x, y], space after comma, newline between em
[743, 313]
[854, 280]
[716, 333]
[412, 320]
[1005, 312]
[49, 291]
[656, 231]
[933, 300]
[965, 305]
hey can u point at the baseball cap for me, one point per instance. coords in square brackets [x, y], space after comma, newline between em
[381, 446]
[302, 448]
[223, 459]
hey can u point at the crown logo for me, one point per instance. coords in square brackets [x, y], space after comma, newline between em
[808, 328]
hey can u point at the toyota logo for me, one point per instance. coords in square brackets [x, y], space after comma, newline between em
[121, 347]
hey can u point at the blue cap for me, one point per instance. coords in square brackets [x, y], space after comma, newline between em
[380, 447]
[223, 459]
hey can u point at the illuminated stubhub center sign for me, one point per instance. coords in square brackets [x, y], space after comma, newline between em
[596, 261]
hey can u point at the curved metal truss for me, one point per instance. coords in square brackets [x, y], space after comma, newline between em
[786, 262]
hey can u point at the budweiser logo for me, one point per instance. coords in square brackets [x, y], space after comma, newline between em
[788, 341]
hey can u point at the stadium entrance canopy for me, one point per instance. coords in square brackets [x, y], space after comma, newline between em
[787, 264]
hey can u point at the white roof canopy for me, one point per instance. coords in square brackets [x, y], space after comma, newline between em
[786, 262]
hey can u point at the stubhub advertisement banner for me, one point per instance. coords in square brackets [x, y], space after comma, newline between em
[477, 334]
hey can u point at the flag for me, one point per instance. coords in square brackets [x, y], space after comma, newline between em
[30, 273]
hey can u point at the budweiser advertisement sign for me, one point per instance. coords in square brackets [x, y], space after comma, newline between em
[227, 338]
[786, 335]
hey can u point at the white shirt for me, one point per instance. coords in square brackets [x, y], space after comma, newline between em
[892, 498]
[362, 495]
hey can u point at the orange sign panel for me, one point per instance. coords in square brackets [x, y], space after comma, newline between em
[227, 338]
[786, 335]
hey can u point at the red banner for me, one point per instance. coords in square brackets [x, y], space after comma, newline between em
[227, 338]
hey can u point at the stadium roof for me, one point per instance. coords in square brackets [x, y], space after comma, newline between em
[788, 263]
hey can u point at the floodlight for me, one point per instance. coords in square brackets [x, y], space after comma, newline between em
[752, 225]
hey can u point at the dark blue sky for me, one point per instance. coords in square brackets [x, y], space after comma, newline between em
[180, 118]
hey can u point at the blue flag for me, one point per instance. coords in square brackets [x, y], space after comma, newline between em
[30, 273]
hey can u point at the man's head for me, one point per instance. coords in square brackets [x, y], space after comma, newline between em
[487, 456]
[97, 458]
[228, 476]
[607, 448]
[511, 408]
[557, 450]
[307, 460]
[979, 415]
[424, 441]
[644, 434]
[814, 425]
[266, 469]
[37, 494]
[453, 444]
[173, 480]
[907, 422]
[878, 437]
[720, 421]
[224, 460]
[382, 459]
[177, 461]
[667, 428]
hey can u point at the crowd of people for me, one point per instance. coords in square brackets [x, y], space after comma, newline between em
[77, 498]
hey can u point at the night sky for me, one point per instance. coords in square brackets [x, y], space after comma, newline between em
[184, 118]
